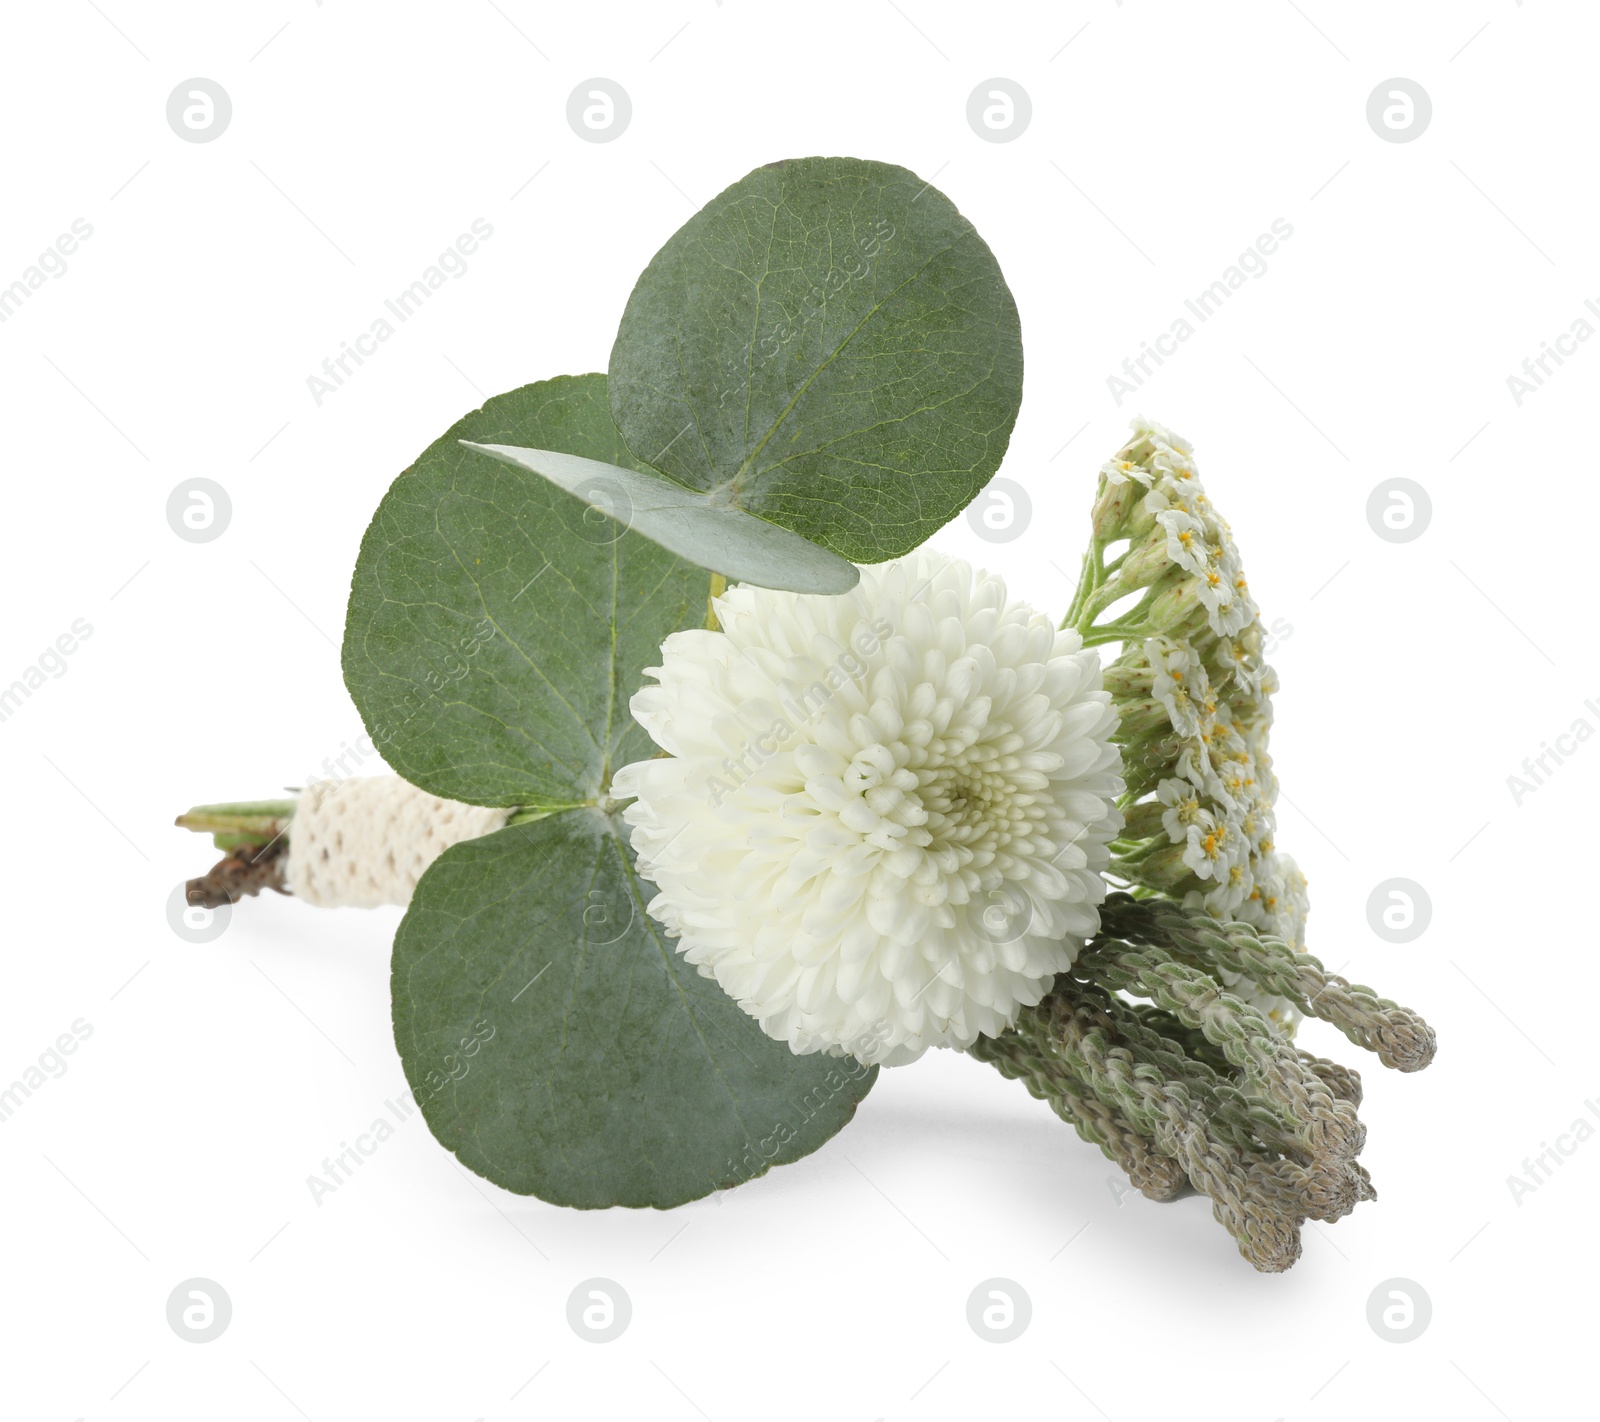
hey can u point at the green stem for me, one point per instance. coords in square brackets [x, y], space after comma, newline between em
[1092, 574]
[527, 814]
[240, 823]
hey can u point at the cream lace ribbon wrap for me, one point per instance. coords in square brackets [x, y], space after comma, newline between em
[363, 842]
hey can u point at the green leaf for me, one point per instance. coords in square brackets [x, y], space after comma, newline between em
[830, 345]
[497, 626]
[692, 525]
[561, 1048]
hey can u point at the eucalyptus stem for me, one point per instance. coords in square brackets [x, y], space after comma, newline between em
[527, 814]
[253, 836]
[239, 823]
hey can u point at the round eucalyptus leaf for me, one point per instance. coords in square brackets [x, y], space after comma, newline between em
[827, 344]
[498, 625]
[561, 1048]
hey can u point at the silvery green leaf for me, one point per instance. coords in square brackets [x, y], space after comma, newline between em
[830, 345]
[497, 625]
[703, 529]
[560, 1046]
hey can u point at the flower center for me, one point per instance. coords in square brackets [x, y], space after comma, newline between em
[957, 801]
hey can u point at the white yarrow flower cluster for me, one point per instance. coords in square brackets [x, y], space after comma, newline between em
[884, 816]
[1198, 539]
[1216, 799]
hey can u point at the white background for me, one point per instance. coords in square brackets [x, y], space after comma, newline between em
[1165, 138]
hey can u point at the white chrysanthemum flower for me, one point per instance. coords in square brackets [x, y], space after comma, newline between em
[885, 814]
